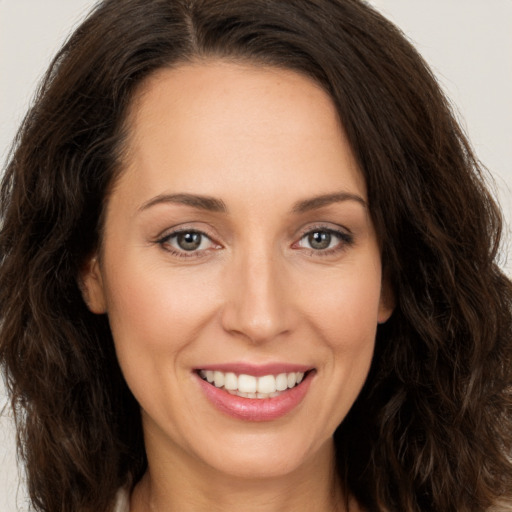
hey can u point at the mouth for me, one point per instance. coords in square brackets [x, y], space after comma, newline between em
[255, 393]
[251, 386]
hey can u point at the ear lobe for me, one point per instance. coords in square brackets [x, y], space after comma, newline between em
[91, 286]
[387, 302]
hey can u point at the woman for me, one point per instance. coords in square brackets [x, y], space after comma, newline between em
[248, 260]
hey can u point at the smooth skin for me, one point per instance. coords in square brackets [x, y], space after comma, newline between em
[238, 231]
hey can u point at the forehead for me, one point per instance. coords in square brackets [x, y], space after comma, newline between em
[237, 121]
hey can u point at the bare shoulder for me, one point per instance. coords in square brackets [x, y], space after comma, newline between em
[122, 503]
[502, 506]
[355, 506]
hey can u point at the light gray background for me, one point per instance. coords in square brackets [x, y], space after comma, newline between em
[467, 42]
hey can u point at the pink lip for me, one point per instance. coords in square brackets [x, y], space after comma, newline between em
[256, 409]
[257, 370]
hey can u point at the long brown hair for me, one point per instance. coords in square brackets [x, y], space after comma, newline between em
[432, 428]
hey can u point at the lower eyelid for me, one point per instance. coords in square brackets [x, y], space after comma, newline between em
[167, 239]
[341, 235]
[344, 239]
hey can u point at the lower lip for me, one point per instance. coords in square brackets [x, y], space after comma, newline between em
[256, 409]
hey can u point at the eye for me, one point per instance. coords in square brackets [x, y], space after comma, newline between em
[189, 241]
[319, 240]
[186, 241]
[324, 240]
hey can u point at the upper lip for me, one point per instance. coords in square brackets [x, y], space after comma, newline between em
[257, 370]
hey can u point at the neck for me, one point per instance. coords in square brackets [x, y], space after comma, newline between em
[171, 485]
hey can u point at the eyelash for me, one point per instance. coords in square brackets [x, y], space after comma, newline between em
[164, 242]
[344, 240]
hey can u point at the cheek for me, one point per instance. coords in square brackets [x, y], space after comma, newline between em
[345, 306]
[154, 312]
[350, 333]
[345, 317]
[341, 316]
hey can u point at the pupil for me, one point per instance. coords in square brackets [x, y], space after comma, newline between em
[319, 240]
[189, 241]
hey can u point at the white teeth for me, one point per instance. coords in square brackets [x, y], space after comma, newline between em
[249, 386]
[231, 381]
[292, 379]
[218, 379]
[246, 383]
[281, 382]
[266, 384]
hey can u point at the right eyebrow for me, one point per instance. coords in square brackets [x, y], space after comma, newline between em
[208, 203]
[317, 202]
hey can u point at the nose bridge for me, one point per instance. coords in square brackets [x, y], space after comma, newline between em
[257, 306]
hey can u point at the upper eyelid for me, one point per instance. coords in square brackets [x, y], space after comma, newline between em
[170, 232]
[344, 235]
[165, 243]
[299, 234]
[173, 234]
[332, 228]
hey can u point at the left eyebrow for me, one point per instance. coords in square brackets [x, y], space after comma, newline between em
[200, 202]
[326, 200]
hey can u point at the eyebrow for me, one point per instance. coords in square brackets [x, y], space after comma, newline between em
[326, 200]
[213, 204]
[208, 203]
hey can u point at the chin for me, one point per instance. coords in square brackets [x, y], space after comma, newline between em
[262, 457]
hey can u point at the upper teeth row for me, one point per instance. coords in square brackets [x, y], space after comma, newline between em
[251, 384]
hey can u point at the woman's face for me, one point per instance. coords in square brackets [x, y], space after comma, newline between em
[238, 249]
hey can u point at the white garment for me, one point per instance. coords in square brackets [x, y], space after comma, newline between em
[122, 501]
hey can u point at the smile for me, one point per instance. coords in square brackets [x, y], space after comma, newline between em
[255, 393]
[250, 386]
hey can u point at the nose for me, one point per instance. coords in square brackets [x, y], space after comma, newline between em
[258, 306]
